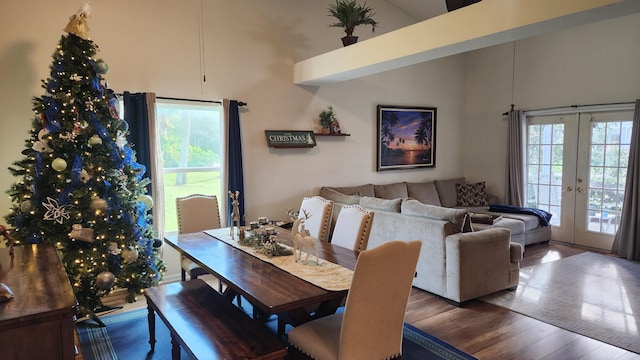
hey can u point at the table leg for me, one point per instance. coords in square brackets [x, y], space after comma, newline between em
[175, 348]
[151, 319]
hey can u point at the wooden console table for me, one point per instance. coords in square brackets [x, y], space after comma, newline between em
[38, 322]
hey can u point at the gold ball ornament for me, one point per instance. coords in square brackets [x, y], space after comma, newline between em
[99, 204]
[105, 280]
[130, 255]
[58, 164]
[147, 200]
[95, 140]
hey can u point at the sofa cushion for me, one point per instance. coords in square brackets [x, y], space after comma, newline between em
[459, 218]
[336, 196]
[424, 192]
[391, 191]
[374, 203]
[362, 190]
[447, 191]
[470, 195]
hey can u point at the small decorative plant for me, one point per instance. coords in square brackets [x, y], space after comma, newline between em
[327, 117]
[349, 15]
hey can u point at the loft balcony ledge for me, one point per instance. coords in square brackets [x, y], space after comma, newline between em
[483, 24]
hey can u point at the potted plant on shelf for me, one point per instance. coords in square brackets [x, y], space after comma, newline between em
[350, 15]
[327, 117]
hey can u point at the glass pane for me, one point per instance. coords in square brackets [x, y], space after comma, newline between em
[611, 155]
[533, 174]
[611, 178]
[545, 157]
[534, 154]
[613, 132]
[555, 219]
[598, 130]
[532, 195]
[625, 130]
[596, 177]
[545, 174]
[545, 194]
[622, 178]
[597, 155]
[556, 195]
[534, 134]
[624, 155]
[558, 134]
[547, 132]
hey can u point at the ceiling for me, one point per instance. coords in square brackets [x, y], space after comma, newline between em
[420, 9]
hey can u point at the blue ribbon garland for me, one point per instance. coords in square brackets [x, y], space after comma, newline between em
[53, 126]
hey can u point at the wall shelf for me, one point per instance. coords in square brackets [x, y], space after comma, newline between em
[341, 134]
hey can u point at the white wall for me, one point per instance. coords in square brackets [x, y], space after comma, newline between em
[591, 64]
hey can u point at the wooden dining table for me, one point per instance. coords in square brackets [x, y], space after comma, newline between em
[266, 286]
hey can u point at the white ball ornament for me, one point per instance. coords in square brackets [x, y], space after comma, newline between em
[105, 280]
[147, 200]
[26, 206]
[95, 140]
[58, 164]
[130, 255]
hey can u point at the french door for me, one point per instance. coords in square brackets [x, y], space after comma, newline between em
[576, 170]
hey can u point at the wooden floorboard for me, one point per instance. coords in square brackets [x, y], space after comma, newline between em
[491, 332]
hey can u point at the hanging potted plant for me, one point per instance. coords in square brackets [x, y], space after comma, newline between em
[349, 15]
[327, 117]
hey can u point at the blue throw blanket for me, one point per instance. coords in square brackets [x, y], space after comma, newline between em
[544, 216]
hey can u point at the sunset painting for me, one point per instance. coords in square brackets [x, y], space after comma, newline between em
[406, 137]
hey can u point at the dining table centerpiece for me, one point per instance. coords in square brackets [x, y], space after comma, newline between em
[265, 241]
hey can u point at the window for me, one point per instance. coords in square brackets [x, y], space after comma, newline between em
[191, 142]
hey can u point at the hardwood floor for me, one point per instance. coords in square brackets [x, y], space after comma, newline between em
[491, 332]
[487, 331]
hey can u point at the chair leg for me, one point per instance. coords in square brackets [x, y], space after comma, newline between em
[183, 274]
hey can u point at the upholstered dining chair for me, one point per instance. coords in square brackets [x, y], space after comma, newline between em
[196, 213]
[352, 227]
[372, 322]
[319, 210]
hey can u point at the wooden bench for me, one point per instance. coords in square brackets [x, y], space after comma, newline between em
[208, 326]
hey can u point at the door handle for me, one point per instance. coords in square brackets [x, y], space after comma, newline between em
[569, 189]
[579, 189]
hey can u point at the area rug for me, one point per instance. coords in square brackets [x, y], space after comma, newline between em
[594, 295]
[126, 337]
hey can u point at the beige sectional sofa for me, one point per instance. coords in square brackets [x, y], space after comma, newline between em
[455, 263]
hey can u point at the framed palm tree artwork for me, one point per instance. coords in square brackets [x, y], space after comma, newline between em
[406, 137]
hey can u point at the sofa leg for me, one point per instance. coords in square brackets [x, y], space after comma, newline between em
[513, 288]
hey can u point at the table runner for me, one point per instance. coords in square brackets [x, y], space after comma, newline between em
[327, 275]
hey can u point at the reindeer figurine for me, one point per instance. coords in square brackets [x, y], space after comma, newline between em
[301, 238]
[235, 212]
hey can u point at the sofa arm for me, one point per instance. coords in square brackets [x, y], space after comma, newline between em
[515, 252]
[477, 263]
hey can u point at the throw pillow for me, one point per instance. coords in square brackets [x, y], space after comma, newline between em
[391, 191]
[338, 197]
[459, 218]
[381, 204]
[362, 190]
[424, 192]
[472, 195]
[447, 191]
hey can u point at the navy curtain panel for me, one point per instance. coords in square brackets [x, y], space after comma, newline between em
[136, 113]
[235, 178]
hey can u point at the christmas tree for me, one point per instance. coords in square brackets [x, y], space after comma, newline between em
[79, 186]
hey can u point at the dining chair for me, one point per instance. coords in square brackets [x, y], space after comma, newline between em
[196, 213]
[319, 211]
[371, 326]
[352, 227]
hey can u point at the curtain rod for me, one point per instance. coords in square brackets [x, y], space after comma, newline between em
[573, 107]
[240, 103]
